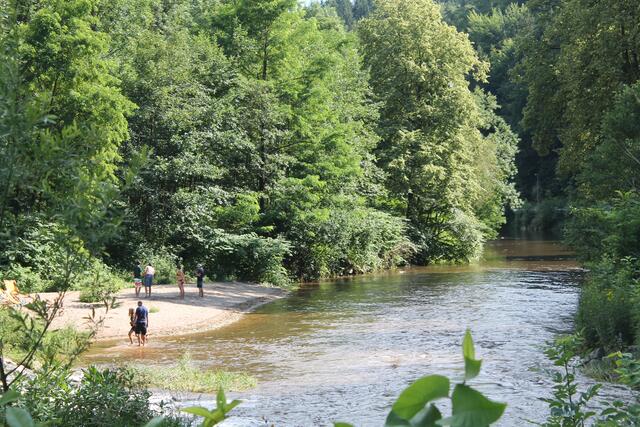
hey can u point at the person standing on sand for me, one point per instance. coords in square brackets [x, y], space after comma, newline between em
[200, 280]
[141, 320]
[137, 277]
[149, 272]
[181, 280]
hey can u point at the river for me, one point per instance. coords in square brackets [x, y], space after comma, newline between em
[343, 350]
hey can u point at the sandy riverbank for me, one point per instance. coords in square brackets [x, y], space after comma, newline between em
[222, 304]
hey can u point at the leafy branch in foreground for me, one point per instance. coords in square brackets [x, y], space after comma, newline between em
[215, 416]
[569, 407]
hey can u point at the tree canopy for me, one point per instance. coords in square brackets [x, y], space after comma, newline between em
[263, 138]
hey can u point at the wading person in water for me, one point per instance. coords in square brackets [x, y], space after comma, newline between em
[200, 280]
[137, 277]
[132, 316]
[141, 320]
[181, 280]
[149, 272]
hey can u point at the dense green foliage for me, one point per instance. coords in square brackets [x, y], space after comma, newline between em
[107, 398]
[572, 403]
[102, 397]
[262, 138]
[446, 154]
[567, 75]
[582, 70]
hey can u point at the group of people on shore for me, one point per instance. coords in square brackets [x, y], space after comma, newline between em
[139, 317]
[145, 277]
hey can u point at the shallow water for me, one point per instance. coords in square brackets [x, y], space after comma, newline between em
[343, 350]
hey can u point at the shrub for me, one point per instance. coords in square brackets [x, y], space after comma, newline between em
[608, 312]
[64, 345]
[34, 251]
[43, 255]
[606, 229]
[164, 262]
[348, 241]
[103, 398]
[334, 235]
[15, 342]
[99, 283]
[460, 238]
[608, 237]
[28, 279]
[248, 257]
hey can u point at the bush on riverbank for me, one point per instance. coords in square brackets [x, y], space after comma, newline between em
[608, 312]
[99, 283]
[186, 376]
[163, 261]
[247, 257]
[607, 238]
[101, 398]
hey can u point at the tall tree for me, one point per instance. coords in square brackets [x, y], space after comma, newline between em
[362, 8]
[64, 119]
[580, 53]
[429, 124]
[344, 9]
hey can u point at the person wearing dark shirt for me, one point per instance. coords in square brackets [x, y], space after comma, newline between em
[137, 277]
[200, 280]
[141, 320]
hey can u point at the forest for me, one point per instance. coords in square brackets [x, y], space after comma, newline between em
[263, 139]
[276, 141]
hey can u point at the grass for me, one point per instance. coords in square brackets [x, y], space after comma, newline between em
[154, 310]
[185, 376]
[600, 370]
[61, 344]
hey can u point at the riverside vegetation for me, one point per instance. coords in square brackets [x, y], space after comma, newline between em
[273, 141]
[259, 138]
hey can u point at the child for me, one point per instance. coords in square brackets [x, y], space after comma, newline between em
[133, 326]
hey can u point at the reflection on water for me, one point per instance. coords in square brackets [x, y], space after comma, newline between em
[343, 350]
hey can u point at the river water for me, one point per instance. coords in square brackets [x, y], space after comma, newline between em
[343, 350]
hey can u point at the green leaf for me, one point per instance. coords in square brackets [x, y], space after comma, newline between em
[155, 422]
[427, 417]
[231, 405]
[221, 399]
[8, 397]
[468, 349]
[342, 425]
[18, 417]
[471, 365]
[413, 399]
[470, 408]
[394, 420]
[197, 410]
[215, 418]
